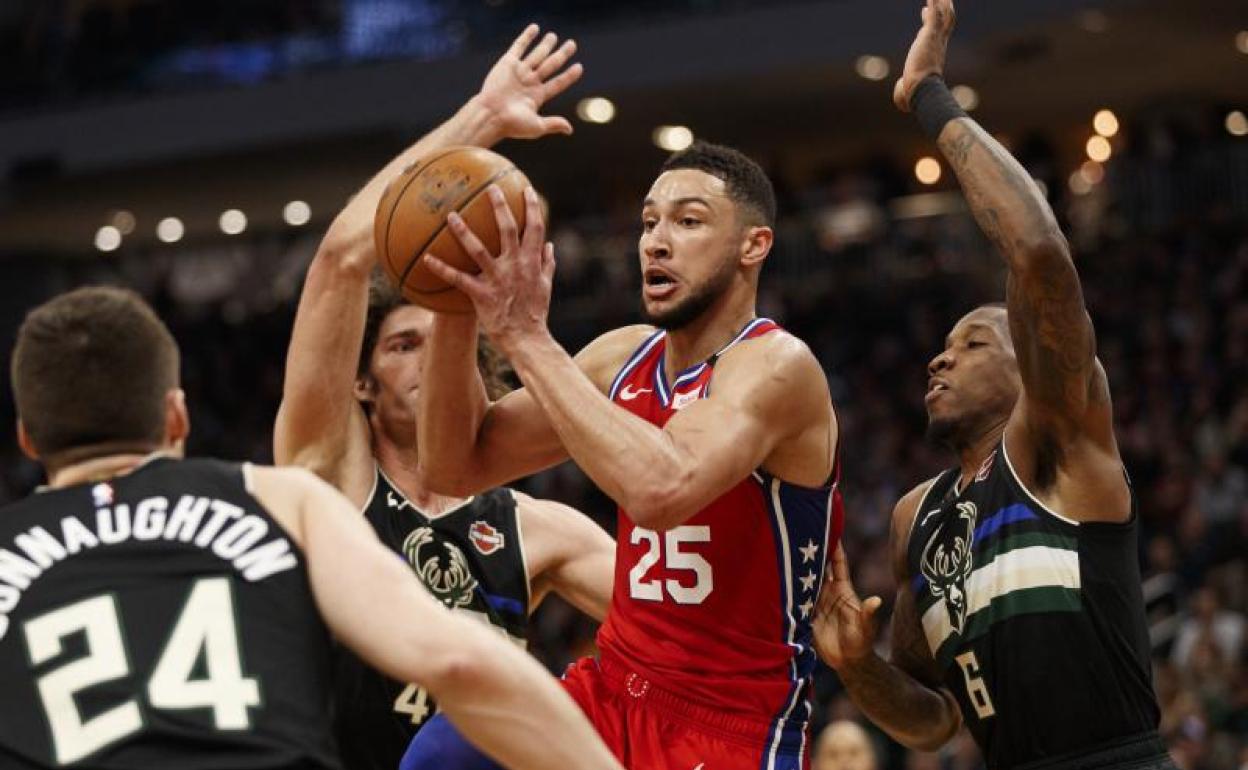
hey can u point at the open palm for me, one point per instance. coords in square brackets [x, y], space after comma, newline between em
[523, 80]
[844, 626]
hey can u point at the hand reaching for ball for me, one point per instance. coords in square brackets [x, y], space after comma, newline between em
[519, 84]
[511, 294]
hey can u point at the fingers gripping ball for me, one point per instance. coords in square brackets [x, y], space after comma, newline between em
[411, 220]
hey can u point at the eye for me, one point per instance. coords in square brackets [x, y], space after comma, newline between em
[648, 224]
[688, 221]
[976, 344]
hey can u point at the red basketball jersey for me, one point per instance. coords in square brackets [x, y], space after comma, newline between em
[719, 609]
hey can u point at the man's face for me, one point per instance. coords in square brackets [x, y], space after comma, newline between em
[974, 381]
[844, 746]
[397, 363]
[690, 246]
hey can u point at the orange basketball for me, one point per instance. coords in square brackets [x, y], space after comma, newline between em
[411, 220]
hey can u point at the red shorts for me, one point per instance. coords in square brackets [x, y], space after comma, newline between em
[648, 728]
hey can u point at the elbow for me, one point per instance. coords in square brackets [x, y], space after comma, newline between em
[442, 480]
[1043, 250]
[459, 671]
[345, 252]
[662, 504]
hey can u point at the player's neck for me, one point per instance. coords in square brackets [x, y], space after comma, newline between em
[706, 335]
[400, 464]
[972, 456]
[96, 469]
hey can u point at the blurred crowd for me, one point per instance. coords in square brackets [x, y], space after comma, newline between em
[872, 283]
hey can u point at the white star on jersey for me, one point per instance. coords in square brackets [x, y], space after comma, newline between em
[808, 551]
[806, 607]
[808, 581]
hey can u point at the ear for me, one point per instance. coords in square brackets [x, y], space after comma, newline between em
[365, 389]
[757, 245]
[24, 441]
[177, 420]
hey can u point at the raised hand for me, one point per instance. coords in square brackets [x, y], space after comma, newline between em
[844, 626]
[519, 84]
[511, 294]
[927, 52]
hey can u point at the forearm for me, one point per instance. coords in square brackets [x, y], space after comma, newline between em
[632, 461]
[1006, 202]
[511, 708]
[913, 714]
[351, 234]
[452, 404]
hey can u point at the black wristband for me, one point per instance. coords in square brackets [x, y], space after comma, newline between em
[933, 105]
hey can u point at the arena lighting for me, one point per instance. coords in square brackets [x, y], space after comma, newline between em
[107, 238]
[966, 97]
[1236, 123]
[1105, 122]
[1092, 172]
[872, 67]
[673, 138]
[123, 220]
[927, 170]
[297, 213]
[170, 230]
[1079, 185]
[1099, 149]
[595, 109]
[232, 221]
[1241, 41]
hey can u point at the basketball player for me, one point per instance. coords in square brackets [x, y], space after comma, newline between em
[711, 427]
[1019, 609]
[160, 612]
[353, 374]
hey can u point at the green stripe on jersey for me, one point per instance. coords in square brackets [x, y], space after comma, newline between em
[996, 546]
[1022, 602]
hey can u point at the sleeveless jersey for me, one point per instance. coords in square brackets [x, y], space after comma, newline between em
[471, 558]
[719, 609]
[1035, 621]
[159, 619]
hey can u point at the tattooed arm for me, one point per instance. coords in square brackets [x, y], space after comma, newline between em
[903, 695]
[1061, 431]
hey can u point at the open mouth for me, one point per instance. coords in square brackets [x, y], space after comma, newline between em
[657, 283]
[935, 388]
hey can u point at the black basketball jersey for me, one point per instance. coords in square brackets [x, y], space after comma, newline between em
[1036, 622]
[471, 559]
[160, 619]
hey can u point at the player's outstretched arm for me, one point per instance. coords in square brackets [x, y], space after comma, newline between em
[902, 695]
[567, 553]
[319, 423]
[469, 443]
[767, 392]
[1065, 394]
[498, 696]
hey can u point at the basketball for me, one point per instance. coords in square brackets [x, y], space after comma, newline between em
[411, 220]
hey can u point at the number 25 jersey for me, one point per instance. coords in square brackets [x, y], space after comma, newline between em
[719, 609]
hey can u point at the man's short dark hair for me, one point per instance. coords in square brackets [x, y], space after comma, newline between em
[747, 183]
[91, 368]
[384, 299]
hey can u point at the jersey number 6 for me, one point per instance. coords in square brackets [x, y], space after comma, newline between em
[652, 590]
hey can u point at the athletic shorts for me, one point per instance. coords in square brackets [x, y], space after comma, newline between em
[645, 727]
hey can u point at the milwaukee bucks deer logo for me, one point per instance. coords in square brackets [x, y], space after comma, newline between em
[946, 563]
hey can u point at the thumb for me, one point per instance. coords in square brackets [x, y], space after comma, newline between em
[556, 125]
[871, 605]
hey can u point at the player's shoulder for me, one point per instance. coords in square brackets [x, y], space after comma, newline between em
[603, 358]
[779, 349]
[776, 363]
[904, 514]
[540, 516]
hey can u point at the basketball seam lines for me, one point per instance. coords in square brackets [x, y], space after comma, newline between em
[469, 199]
[419, 166]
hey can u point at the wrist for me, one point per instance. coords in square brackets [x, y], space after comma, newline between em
[933, 105]
[479, 123]
[524, 347]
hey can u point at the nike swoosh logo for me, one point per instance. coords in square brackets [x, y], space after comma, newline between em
[628, 394]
